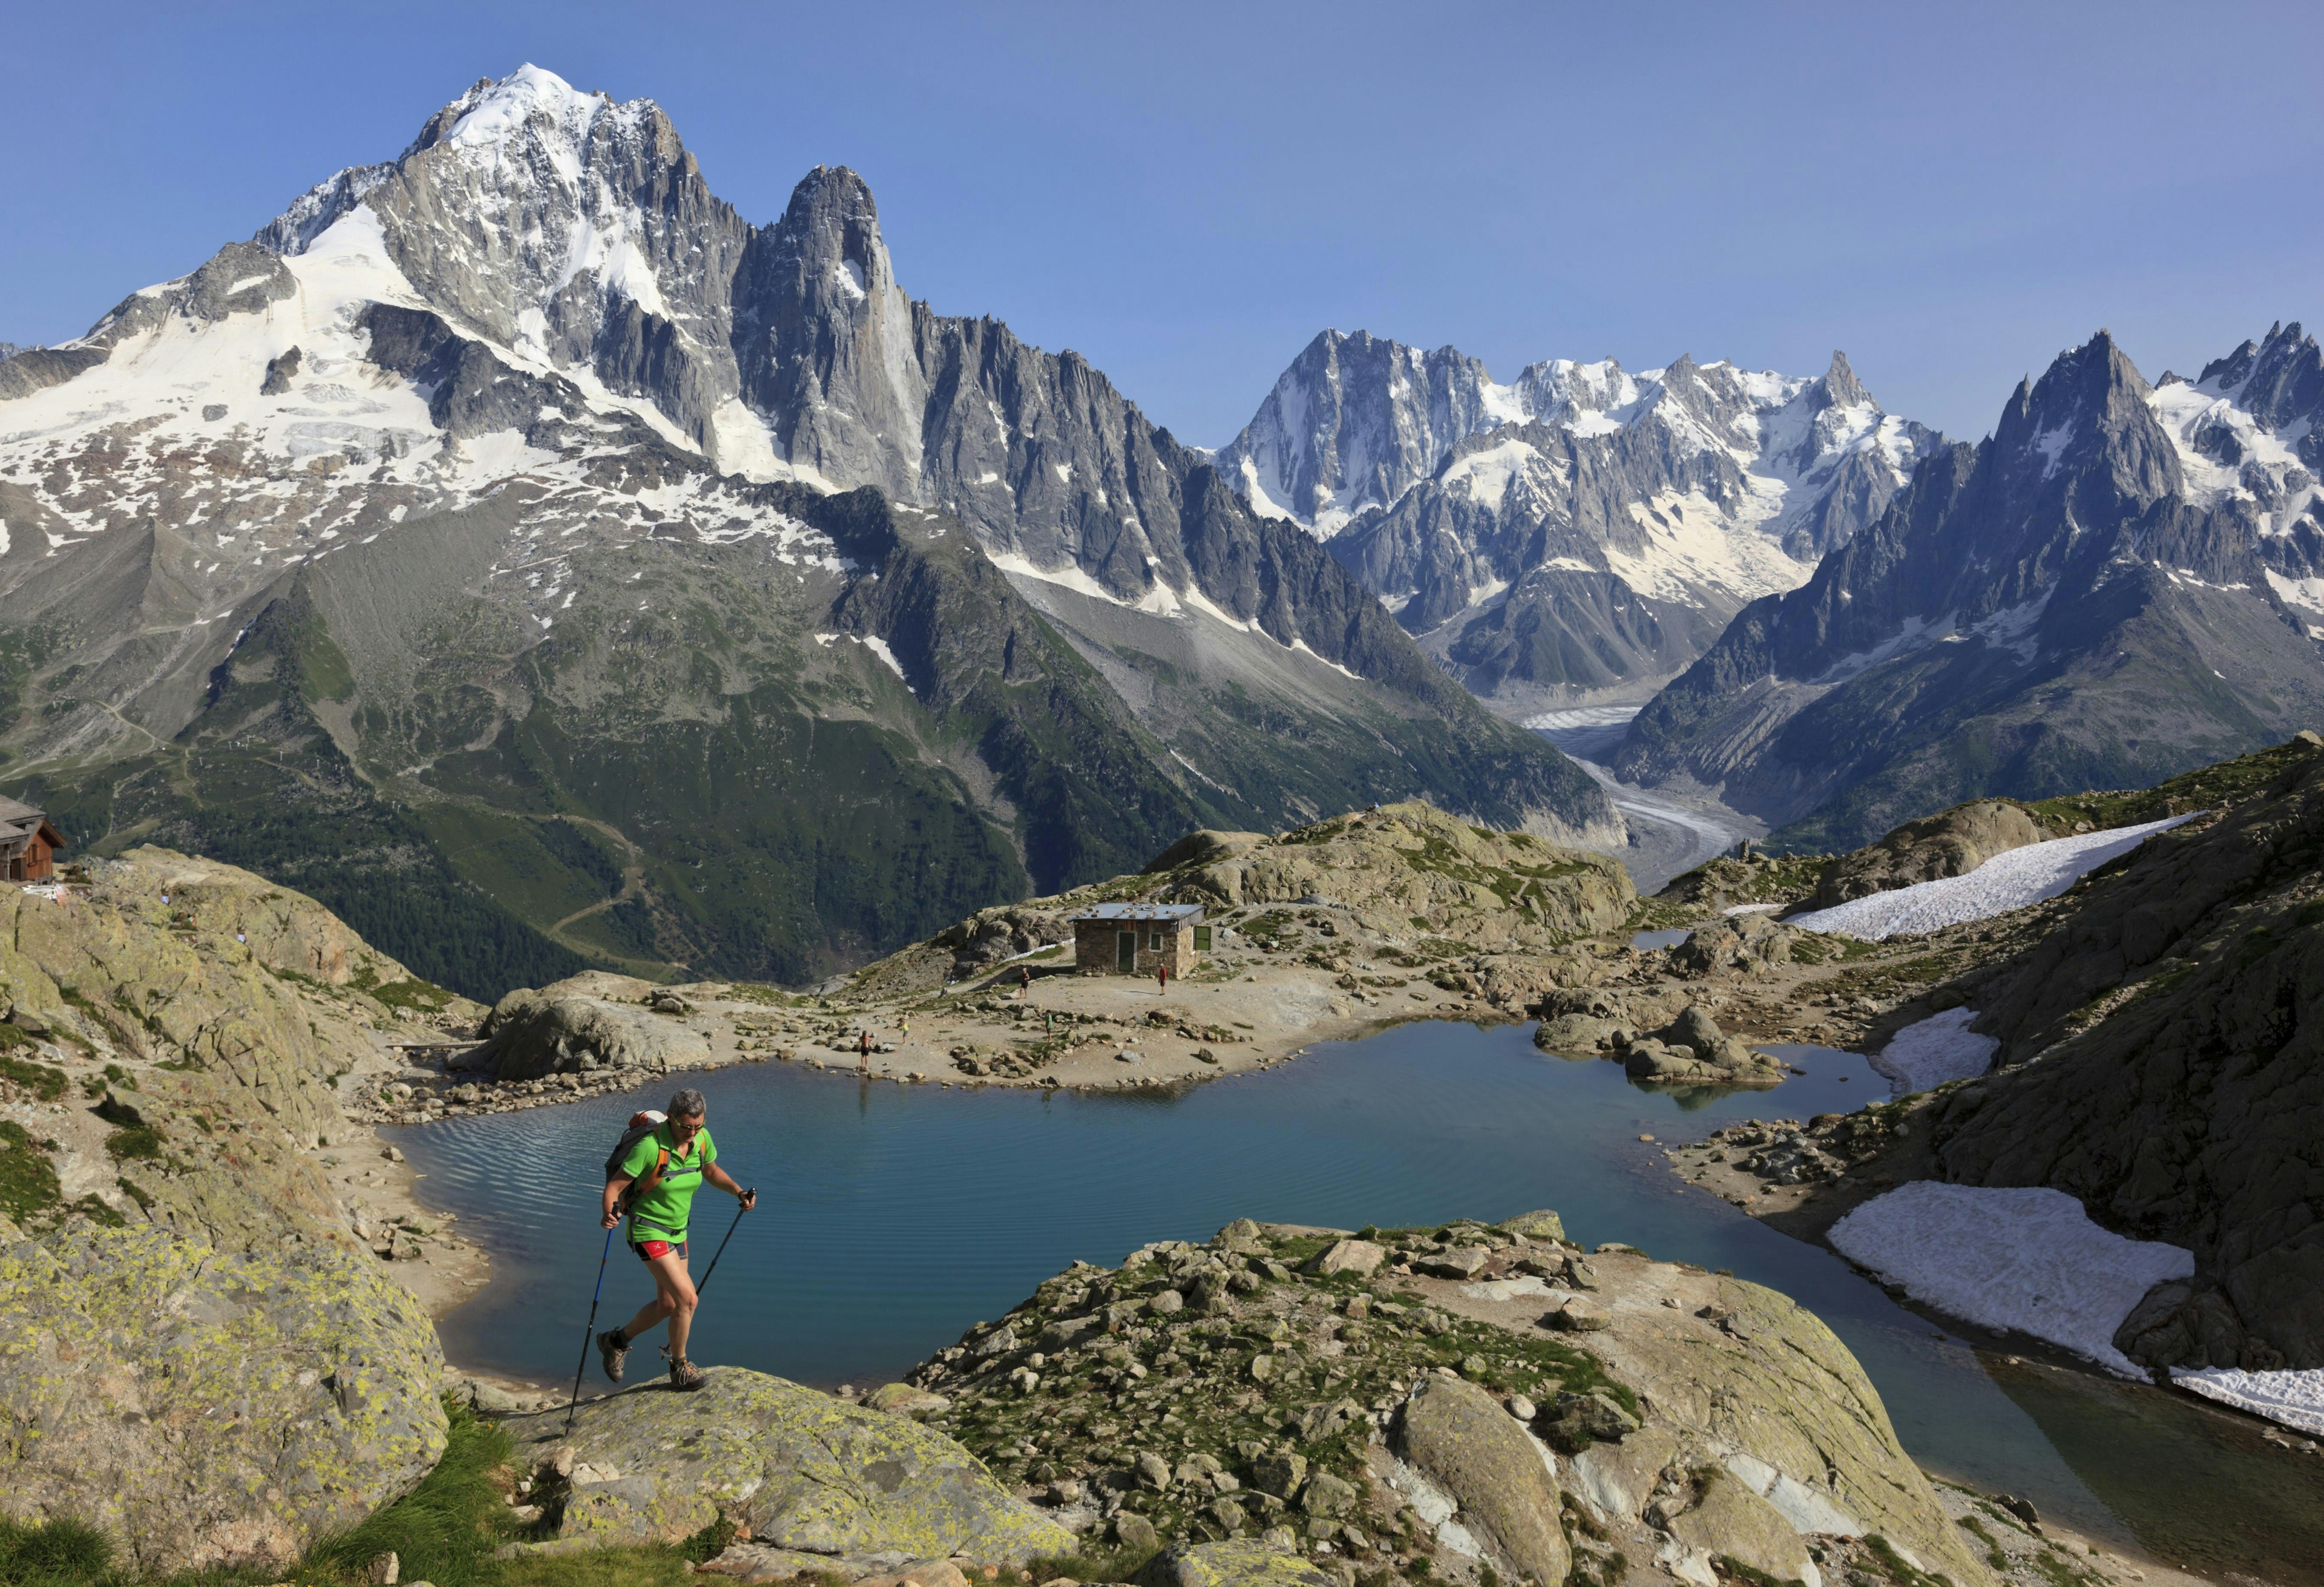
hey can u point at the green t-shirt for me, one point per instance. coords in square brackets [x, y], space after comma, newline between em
[660, 1213]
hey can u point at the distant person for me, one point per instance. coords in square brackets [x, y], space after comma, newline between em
[1024, 981]
[864, 1049]
[1162, 979]
[656, 1186]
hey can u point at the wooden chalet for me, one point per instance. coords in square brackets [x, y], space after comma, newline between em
[28, 843]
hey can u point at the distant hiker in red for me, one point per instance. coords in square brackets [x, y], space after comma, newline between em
[661, 1168]
[1162, 979]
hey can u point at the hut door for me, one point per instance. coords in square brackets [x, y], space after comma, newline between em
[1125, 951]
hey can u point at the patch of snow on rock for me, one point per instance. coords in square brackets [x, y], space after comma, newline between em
[2296, 1399]
[879, 647]
[2022, 1257]
[2006, 881]
[1925, 1056]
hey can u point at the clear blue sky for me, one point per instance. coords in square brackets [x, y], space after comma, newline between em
[1186, 193]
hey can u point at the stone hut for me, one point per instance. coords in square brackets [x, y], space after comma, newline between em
[28, 844]
[1137, 939]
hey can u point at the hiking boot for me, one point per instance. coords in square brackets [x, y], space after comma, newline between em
[614, 1350]
[685, 1374]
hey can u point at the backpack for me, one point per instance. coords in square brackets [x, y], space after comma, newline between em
[641, 1124]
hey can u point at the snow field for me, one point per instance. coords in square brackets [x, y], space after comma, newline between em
[2006, 881]
[2022, 1257]
[1925, 1056]
[2296, 1399]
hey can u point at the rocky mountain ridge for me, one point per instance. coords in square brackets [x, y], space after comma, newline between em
[2088, 598]
[1583, 532]
[494, 495]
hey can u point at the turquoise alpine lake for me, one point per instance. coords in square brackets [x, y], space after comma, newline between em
[892, 1217]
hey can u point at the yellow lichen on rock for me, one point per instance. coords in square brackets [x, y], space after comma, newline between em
[208, 1408]
[790, 1467]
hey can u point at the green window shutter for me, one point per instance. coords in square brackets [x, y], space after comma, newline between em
[1202, 939]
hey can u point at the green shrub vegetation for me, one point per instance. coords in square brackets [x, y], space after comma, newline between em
[43, 1080]
[28, 1180]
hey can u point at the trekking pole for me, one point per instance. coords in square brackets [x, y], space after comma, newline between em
[589, 1331]
[714, 1255]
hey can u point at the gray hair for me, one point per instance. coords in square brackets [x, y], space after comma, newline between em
[687, 1105]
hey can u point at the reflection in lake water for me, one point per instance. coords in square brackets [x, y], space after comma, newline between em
[892, 1217]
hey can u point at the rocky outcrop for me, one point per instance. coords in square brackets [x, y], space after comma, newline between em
[208, 1408]
[1426, 1415]
[229, 1009]
[986, 938]
[1415, 863]
[1951, 843]
[199, 1352]
[1655, 1032]
[792, 1469]
[1747, 945]
[1693, 1049]
[532, 1034]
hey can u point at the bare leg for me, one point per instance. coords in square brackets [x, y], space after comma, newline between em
[673, 1300]
[677, 1295]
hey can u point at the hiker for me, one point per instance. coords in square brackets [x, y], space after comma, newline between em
[864, 1049]
[1024, 981]
[1162, 979]
[655, 1185]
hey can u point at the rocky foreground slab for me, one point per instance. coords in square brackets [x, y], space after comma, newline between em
[1434, 1403]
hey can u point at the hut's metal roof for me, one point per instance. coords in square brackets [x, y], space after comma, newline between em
[1177, 913]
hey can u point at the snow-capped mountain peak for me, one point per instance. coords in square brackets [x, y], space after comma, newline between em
[529, 104]
[1692, 487]
[2250, 428]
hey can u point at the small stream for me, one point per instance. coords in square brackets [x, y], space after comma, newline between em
[892, 1217]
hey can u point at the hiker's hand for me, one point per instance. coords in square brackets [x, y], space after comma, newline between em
[750, 1199]
[611, 1220]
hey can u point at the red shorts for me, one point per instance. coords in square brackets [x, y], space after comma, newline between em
[653, 1250]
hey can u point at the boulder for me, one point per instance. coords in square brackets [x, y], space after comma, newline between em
[1578, 1315]
[791, 1468]
[1281, 1475]
[1463, 1261]
[1459, 1438]
[1359, 1257]
[1543, 1225]
[1692, 1048]
[1619, 1478]
[1579, 1035]
[529, 1034]
[1236, 1563]
[1743, 946]
[1327, 1496]
[1731, 1521]
[1694, 1029]
[904, 1400]
[208, 1409]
